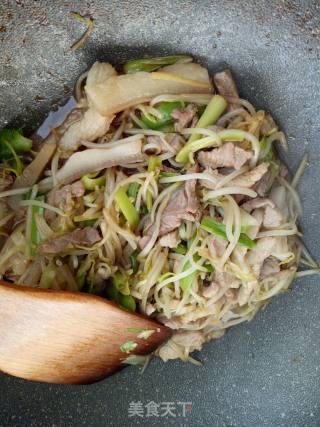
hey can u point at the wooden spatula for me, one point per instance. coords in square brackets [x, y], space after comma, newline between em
[68, 338]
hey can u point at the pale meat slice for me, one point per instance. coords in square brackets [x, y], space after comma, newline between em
[229, 155]
[82, 236]
[171, 142]
[222, 283]
[258, 202]
[248, 179]
[170, 240]
[185, 340]
[193, 339]
[263, 185]
[184, 116]
[278, 195]
[272, 215]
[215, 176]
[269, 267]
[227, 280]
[92, 126]
[265, 247]
[183, 205]
[226, 85]
[175, 141]
[245, 292]
[68, 192]
[217, 245]
[211, 290]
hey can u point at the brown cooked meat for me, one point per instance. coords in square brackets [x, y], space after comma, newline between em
[81, 236]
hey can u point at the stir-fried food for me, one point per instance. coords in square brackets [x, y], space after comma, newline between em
[159, 191]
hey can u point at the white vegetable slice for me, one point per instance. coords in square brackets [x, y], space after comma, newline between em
[120, 92]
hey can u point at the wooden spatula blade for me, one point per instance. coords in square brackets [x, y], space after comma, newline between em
[67, 338]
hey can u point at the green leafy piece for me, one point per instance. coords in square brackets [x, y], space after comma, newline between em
[128, 302]
[127, 208]
[133, 190]
[154, 163]
[214, 227]
[118, 291]
[180, 249]
[209, 267]
[128, 346]
[142, 333]
[168, 174]
[134, 261]
[201, 109]
[266, 155]
[165, 108]
[16, 141]
[90, 198]
[121, 283]
[35, 234]
[167, 128]
[149, 201]
[88, 286]
[135, 330]
[90, 181]
[82, 272]
[186, 282]
[144, 209]
[47, 277]
[165, 276]
[112, 292]
[90, 280]
[88, 223]
[146, 334]
[19, 165]
[152, 64]
[135, 359]
[210, 116]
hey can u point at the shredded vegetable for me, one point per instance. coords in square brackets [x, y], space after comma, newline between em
[128, 346]
[210, 116]
[127, 207]
[89, 22]
[151, 64]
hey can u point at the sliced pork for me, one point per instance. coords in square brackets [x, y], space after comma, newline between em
[217, 246]
[170, 240]
[269, 267]
[184, 116]
[82, 236]
[172, 142]
[226, 85]
[272, 215]
[248, 179]
[183, 205]
[68, 192]
[229, 155]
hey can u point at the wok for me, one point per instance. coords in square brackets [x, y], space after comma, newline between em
[266, 372]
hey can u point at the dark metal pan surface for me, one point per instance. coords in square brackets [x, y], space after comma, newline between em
[267, 372]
